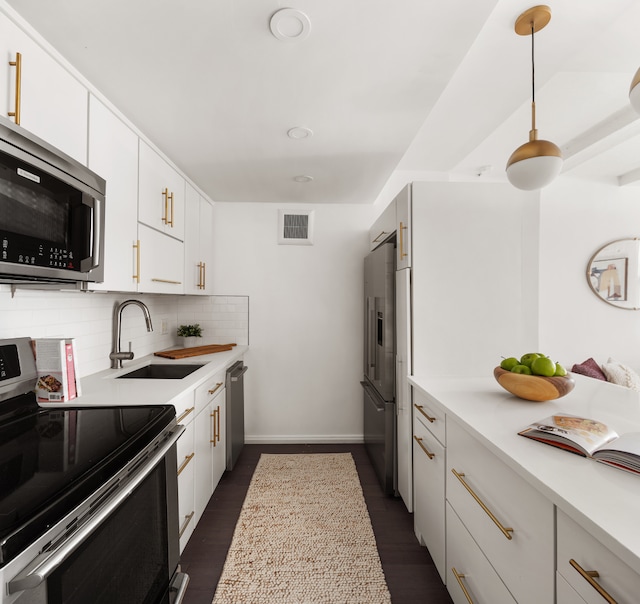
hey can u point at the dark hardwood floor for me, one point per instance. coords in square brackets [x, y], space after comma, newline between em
[409, 571]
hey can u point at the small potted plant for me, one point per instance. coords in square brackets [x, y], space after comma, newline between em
[189, 334]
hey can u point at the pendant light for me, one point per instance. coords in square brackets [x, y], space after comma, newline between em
[634, 92]
[536, 163]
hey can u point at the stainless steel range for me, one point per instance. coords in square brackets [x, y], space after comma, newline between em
[88, 497]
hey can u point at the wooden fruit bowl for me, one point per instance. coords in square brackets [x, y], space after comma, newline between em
[534, 387]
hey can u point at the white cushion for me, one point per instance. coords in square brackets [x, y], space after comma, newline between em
[620, 374]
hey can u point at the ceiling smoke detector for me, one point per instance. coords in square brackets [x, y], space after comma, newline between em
[299, 132]
[290, 25]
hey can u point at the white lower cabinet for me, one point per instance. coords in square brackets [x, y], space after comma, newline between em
[429, 467]
[509, 520]
[470, 576]
[209, 440]
[590, 569]
[186, 484]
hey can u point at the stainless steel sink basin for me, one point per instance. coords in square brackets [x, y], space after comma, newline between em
[161, 371]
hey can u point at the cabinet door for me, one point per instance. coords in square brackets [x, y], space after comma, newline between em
[113, 154]
[429, 481]
[159, 262]
[219, 463]
[403, 225]
[204, 431]
[186, 483]
[403, 394]
[198, 244]
[53, 103]
[161, 194]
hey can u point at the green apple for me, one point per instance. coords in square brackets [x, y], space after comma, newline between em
[521, 369]
[560, 370]
[543, 366]
[509, 363]
[527, 359]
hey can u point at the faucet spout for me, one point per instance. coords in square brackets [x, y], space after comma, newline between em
[117, 355]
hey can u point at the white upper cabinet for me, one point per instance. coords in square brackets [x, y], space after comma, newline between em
[161, 194]
[49, 101]
[159, 262]
[113, 154]
[198, 244]
[403, 226]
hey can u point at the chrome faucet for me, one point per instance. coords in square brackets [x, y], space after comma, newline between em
[116, 355]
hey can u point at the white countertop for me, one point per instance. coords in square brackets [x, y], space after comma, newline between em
[104, 390]
[604, 500]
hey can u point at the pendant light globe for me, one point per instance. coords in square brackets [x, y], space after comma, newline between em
[634, 92]
[536, 163]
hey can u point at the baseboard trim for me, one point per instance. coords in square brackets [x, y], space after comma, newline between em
[300, 439]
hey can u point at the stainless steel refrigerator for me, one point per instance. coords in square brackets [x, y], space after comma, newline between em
[379, 364]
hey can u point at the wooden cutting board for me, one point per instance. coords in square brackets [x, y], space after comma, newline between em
[183, 353]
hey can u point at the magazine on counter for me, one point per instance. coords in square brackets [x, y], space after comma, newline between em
[589, 438]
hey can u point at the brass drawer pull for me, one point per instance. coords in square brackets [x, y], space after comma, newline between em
[189, 410]
[18, 65]
[589, 576]
[167, 281]
[459, 577]
[419, 441]
[185, 463]
[403, 254]
[165, 194]
[382, 234]
[421, 409]
[505, 531]
[214, 390]
[216, 426]
[184, 526]
[136, 246]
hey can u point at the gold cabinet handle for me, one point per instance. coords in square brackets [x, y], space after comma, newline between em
[18, 65]
[136, 246]
[189, 410]
[216, 424]
[382, 233]
[218, 420]
[204, 275]
[170, 222]
[459, 577]
[419, 441]
[505, 531]
[185, 463]
[403, 254]
[217, 387]
[165, 194]
[590, 577]
[421, 409]
[166, 281]
[200, 275]
[185, 524]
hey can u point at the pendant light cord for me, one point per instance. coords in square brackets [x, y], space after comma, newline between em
[533, 65]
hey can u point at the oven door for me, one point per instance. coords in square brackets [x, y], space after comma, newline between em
[124, 549]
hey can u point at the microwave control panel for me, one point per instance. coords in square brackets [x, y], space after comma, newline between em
[20, 249]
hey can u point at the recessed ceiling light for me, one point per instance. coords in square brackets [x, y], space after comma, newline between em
[299, 132]
[303, 178]
[289, 25]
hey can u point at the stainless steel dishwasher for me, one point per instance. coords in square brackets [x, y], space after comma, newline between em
[235, 412]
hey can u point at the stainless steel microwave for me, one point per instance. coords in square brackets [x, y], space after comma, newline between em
[51, 213]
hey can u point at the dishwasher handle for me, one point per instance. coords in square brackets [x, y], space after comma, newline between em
[235, 375]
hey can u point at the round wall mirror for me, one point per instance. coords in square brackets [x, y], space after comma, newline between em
[613, 273]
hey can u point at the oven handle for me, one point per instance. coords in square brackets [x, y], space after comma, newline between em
[45, 563]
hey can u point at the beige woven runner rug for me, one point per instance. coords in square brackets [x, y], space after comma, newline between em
[303, 537]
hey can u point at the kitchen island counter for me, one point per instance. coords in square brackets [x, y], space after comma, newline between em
[602, 499]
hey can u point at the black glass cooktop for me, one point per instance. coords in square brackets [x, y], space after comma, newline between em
[53, 459]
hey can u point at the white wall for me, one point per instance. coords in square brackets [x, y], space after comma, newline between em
[305, 356]
[577, 218]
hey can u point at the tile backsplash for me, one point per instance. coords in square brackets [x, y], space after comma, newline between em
[88, 317]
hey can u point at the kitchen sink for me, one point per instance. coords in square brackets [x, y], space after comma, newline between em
[161, 371]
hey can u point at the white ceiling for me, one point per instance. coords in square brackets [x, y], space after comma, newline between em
[409, 85]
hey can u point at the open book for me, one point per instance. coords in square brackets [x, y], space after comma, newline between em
[588, 438]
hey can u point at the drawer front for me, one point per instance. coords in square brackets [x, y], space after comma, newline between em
[185, 408]
[512, 523]
[617, 579]
[429, 467]
[430, 414]
[469, 571]
[209, 390]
